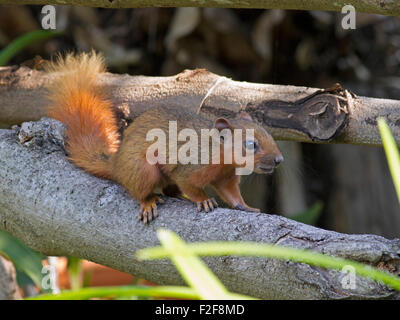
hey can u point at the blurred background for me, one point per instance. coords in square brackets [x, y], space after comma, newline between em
[344, 188]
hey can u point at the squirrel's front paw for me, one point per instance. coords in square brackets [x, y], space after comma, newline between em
[148, 209]
[207, 205]
[246, 208]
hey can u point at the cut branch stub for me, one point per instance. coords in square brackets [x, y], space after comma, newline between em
[321, 115]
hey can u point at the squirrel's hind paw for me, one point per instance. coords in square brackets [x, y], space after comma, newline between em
[148, 209]
[207, 205]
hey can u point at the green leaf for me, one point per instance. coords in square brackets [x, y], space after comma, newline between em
[87, 278]
[23, 279]
[192, 269]
[122, 292]
[223, 248]
[22, 42]
[24, 258]
[392, 153]
[75, 272]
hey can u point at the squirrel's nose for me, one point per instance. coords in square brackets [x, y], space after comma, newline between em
[278, 159]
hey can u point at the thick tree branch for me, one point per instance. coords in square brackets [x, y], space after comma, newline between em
[58, 209]
[386, 7]
[8, 281]
[288, 112]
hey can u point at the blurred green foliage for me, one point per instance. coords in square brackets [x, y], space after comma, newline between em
[22, 42]
[392, 153]
[310, 215]
[28, 263]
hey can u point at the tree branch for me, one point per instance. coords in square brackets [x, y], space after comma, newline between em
[8, 281]
[385, 7]
[57, 209]
[289, 113]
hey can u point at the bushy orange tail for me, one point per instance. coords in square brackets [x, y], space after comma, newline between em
[92, 132]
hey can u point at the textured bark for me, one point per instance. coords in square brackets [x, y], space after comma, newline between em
[58, 209]
[288, 112]
[8, 281]
[386, 7]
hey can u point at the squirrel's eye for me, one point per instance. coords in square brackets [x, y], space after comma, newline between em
[250, 145]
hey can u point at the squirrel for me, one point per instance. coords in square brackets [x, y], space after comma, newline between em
[93, 142]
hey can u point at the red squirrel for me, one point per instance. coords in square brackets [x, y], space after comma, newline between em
[93, 142]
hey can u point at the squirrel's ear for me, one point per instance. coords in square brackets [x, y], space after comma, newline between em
[221, 124]
[244, 115]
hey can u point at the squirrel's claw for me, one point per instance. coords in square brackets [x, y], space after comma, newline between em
[148, 209]
[242, 207]
[207, 205]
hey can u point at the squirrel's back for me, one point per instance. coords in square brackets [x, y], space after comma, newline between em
[81, 104]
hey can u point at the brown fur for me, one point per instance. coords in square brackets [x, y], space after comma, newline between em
[93, 142]
[92, 133]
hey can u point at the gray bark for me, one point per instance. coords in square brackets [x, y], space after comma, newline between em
[58, 209]
[288, 112]
[386, 7]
